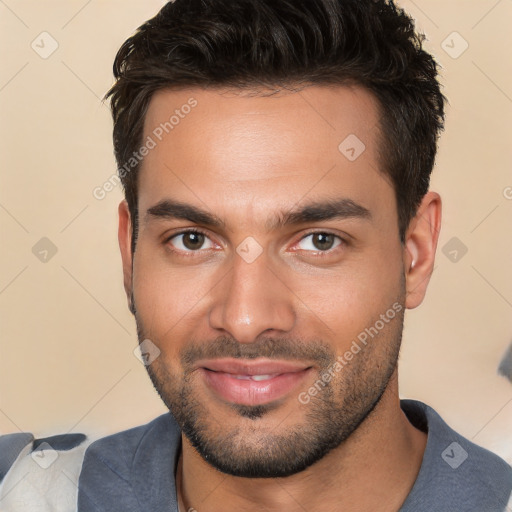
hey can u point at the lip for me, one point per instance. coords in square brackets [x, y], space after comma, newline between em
[219, 376]
[258, 366]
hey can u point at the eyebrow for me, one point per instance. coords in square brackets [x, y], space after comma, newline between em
[316, 211]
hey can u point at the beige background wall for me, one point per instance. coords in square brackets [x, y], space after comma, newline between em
[67, 338]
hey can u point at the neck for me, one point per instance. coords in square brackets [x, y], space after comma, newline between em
[374, 469]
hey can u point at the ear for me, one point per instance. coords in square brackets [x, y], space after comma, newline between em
[124, 235]
[420, 248]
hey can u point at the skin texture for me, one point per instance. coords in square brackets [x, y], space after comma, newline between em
[247, 160]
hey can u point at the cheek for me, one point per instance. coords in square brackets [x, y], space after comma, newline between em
[351, 298]
[167, 298]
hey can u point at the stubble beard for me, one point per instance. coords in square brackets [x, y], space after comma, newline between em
[256, 451]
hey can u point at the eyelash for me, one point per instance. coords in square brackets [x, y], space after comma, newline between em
[321, 254]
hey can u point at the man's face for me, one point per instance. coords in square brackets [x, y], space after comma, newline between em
[262, 292]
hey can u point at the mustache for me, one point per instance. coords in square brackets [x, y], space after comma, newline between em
[316, 352]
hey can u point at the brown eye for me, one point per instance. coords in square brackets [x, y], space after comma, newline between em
[319, 242]
[188, 241]
[193, 241]
[323, 241]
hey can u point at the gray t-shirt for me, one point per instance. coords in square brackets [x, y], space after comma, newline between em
[134, 470]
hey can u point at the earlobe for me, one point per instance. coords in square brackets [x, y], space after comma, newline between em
[420, 248]
[125, 237]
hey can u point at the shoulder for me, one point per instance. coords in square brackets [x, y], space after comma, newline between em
[117, 468]
[456, 474]
[120, 450]
[57, 473]
[31, 468]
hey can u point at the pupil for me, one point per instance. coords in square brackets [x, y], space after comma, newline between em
[323, 241]
[193, 240]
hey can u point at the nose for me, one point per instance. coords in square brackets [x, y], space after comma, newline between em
[250, 300]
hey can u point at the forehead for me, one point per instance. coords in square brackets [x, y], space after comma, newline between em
[233, 150]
